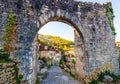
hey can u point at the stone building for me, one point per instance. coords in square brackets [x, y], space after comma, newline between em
[50, 52]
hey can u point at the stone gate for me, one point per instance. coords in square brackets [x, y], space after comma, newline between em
[94, 41]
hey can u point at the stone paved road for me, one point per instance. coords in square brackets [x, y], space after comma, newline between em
[56, 76]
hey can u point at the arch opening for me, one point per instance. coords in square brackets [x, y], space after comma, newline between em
[78, 46]
[66, 21]
[53, 44]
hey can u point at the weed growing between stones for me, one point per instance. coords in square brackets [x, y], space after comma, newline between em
[37, 81]
[19, 77]
[4, 57]
[40, 77]
[3, 54]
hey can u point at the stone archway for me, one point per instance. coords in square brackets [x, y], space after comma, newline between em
[63, 16]
[94, 36]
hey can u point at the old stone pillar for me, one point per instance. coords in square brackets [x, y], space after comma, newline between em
[79, 52]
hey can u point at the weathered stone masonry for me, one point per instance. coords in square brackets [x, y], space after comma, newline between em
[95, 45]
[7, 73]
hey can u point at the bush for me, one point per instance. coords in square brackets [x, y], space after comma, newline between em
[61, 61]
[19, 78]
[102, 74]
[73, 61]
[3, 54]
[101, 77]
[94, 81]
[44, 59]
[37, 81]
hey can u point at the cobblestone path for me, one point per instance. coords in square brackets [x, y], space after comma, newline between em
[56, 76]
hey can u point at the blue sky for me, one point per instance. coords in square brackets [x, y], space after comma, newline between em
[65, 31]
[58, 29]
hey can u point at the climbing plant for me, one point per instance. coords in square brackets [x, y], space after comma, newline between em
[10, 38]
[110, 16]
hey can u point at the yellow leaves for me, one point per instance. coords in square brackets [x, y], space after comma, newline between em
[61, 43]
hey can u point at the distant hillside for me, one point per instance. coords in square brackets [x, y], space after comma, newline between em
[118, 46]
[118, 43]
[57, 41]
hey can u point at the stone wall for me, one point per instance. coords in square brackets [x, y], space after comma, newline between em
[95, 45]
[7, 73]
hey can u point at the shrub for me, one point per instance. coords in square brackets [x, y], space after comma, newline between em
[37, 81]
[94, 81]
[73, 61]
[3, 54]
[101, 77]
[19, 78]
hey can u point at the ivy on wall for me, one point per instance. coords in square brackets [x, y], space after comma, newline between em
[10, 38]
[9, 42]
[110, 16]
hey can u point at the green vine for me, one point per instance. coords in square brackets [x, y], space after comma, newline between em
[4, 53]
[10, 38]
[110, 16]
[8, 27]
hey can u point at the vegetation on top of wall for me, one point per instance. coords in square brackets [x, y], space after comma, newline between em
[110, 16]
[10, 37]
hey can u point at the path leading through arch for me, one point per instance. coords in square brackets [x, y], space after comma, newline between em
[56, 76]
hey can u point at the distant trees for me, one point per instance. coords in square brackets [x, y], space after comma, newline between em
[61, 43]
[118, 47]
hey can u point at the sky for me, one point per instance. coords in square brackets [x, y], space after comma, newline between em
[65, 31]
[58, 29]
